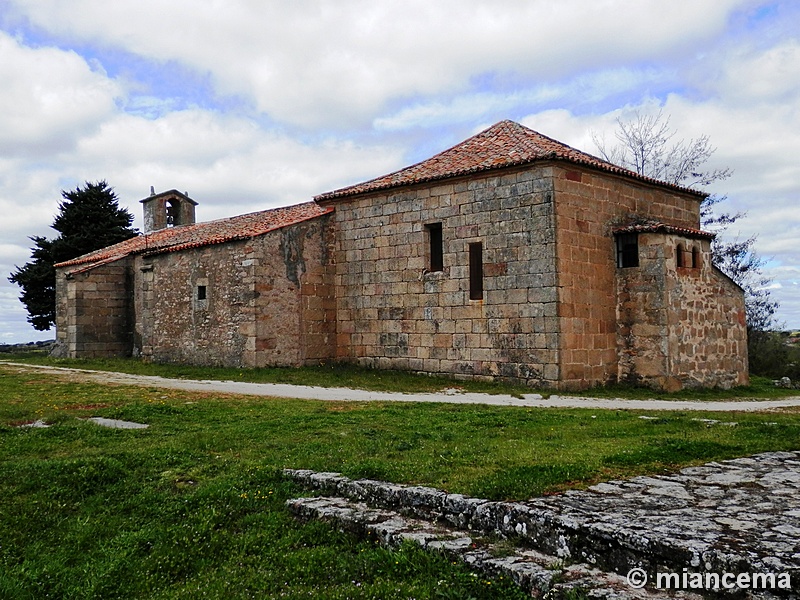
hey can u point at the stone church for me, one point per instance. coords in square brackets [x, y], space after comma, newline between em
[510, 255]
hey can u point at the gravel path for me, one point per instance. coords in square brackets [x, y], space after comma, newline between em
[282, 390]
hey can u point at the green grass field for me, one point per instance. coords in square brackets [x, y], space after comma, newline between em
[193, 506]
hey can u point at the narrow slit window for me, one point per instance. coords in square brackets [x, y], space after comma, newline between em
[628, 250]
[679, 256]
[435, 247]
[476, 271]
[202, 292]
[695, 258]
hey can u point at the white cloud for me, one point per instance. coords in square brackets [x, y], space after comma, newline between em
[585, 89]
[61, 125]
[13, 325]
[229, 164]
[574, 130]
[50, 97]
[320, 64]
[750, 73]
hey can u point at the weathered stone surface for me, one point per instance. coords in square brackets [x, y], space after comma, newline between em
[540, 574]
[37, 424]
[679, 326]
[382, 262]
[737, 516]
[117, 423]
[253, 302]
[94, 311]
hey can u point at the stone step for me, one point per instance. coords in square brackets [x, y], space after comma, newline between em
[565, 536]
[737, 516]
[537, 573]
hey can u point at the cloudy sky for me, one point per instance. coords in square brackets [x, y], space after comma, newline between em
[251, 104]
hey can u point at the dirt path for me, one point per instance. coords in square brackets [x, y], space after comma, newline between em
[281, 390]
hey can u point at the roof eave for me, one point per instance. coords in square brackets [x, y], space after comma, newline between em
[664, 228]
[351, 192]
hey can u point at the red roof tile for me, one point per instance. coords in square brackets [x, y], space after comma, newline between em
[664, 228]
[201, 234]
[505, 144]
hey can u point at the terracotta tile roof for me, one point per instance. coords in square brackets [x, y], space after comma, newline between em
[664, 228]
[174, 239]
[505, 144]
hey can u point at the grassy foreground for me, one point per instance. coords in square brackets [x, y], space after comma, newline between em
[193, 506]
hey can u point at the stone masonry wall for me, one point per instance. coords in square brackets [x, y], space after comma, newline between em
[63, 339]
[317, 288]
[643, 318]
[155, 211]
[393, 313]
[708, 329]
[589, 205]
[257, 310]
[295, 320]
[680, 326]
[176, 326]
[94, 312]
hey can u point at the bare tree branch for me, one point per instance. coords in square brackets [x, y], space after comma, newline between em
[643, 146]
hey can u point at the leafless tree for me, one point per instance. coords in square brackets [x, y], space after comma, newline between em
[644, 145]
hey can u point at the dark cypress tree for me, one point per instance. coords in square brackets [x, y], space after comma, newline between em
[38, 282]
[89, 219]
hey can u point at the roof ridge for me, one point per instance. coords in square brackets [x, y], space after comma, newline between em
[502, 145]
[425, 160]
[563, 144]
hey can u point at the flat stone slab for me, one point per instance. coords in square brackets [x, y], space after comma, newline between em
[738, 516]
[117, 424]
[37, 424]
[735, 515]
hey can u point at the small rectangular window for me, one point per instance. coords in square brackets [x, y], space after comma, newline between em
[476, 271]
[628, 250]
[435, 247]
[201, 292]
